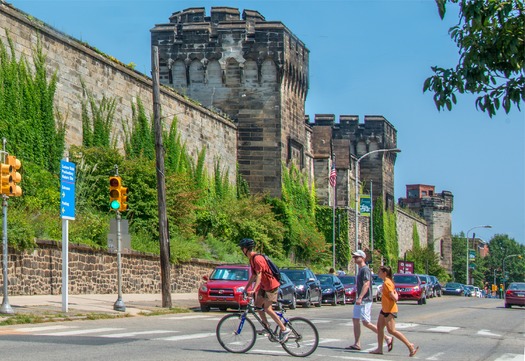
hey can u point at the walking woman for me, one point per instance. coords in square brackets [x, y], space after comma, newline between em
[388, 314]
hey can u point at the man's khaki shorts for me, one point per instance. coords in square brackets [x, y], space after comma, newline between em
[263, 297]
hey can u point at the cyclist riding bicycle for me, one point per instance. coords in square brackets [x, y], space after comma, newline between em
[263, 285]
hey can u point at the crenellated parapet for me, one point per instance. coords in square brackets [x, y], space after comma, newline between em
[349, 139]
[225, 50]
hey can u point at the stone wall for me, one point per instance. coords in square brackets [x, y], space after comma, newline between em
[74, 62]
[405, 225]
[39, 272]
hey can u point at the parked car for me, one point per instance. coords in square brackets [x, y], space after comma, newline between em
[436, 286]
[515, 295]
[477, 292]
[409, 287]
[287, 292]
[453, 288]
[307, 286]
[377, 287]
[427, 285]
[224, 287]
[333, 289]
[469, 291]
[350, 288]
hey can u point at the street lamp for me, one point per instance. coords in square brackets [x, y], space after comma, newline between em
[391, 150]
[466, 276]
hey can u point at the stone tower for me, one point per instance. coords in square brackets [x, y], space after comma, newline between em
[349, 140]
[436, 210]
[254, 71]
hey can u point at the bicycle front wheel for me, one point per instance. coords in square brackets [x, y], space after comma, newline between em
[233, 336]
[304, 338]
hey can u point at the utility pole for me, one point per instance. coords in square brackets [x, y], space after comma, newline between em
[161, 184]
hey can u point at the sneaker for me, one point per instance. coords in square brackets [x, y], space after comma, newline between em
[283, 336]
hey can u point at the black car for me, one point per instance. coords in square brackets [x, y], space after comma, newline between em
[453, 288]
[287, 292]
[333, 289]
[307, 286]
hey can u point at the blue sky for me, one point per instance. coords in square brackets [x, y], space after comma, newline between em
[366, 58]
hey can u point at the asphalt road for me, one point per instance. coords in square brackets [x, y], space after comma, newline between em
[446, 328]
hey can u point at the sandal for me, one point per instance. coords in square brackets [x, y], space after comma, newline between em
[413, 351]
[376, 352]
[353, 347]
[390, 344]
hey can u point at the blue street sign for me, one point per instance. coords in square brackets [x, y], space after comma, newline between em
[67, 190]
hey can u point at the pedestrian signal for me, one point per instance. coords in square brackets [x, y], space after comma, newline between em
[15, 177]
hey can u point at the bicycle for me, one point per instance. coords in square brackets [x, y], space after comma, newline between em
[236, 332]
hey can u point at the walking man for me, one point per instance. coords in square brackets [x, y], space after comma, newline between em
[265, 286]
[363, 303]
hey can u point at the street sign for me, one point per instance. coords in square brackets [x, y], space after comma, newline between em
[405, 267]
[67, 190]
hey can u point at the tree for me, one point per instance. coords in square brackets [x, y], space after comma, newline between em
[490, 35]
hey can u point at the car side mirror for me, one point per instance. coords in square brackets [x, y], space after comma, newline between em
[205, 278]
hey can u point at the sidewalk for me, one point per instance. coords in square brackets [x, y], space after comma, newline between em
[98, 303]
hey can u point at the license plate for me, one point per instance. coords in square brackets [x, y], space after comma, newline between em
[521, 295]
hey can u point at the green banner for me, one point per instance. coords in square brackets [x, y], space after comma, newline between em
[365, 205]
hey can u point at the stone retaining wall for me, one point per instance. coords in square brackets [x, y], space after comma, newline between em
[39, 272]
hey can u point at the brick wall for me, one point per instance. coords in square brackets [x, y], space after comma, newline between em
[39, 272]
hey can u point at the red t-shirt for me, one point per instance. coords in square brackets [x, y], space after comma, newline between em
[259, 265]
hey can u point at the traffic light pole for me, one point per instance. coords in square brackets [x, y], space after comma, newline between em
[119, 304]
[5, 308]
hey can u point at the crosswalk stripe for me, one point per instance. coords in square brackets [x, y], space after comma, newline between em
[402, 325]
[184, 317]
[487, 333]
[44, 328]
[131, 334]
[510, 357]
[80, 332]
[443, 329]
[187, 337]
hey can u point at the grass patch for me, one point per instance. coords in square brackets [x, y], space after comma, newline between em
[164, 311]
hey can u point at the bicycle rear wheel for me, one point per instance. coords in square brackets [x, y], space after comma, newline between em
[304, 338]
[233, 338]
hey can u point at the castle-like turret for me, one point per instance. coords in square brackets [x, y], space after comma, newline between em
[253, 70]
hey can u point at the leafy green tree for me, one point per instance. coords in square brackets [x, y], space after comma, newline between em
[500, 248]
[490, 36]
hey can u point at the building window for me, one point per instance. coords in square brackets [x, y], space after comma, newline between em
[295, 153]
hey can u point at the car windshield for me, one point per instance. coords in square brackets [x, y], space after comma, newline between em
[325, 280]
[453, 285]
[295, 276]
[378, 280]
[347, 280]
[230, 274]
[517, 286]
[411, 280]
[469, 287]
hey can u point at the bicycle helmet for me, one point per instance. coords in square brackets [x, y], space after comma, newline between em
[247, 243]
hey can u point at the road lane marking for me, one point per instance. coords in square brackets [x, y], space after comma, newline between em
[187, 337]
[80, 332]
[140, 333]
[510, 357]
[443, 329]
[402, 325]
[44, 328]
[487, 333]
[185, 317]
[436, 356]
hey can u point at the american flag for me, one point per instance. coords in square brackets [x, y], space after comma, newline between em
[333, 175]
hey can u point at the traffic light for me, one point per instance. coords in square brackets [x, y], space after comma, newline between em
[5, 175]
[115, 183]
[118, 195]
[15, 178]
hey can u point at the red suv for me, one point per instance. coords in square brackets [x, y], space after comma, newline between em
[409, 287]
[224, 287]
